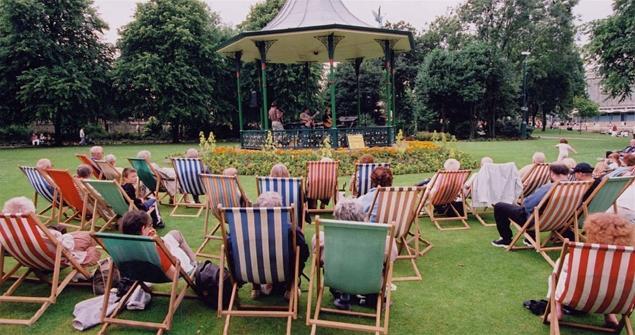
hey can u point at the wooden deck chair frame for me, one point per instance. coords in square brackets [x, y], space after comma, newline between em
[108, 172]
[175, 296]
[402, 212]
[96, 169]
[355, 141]
[184, 185]
[57, 282]
[100, 202]
[287, 202]
[69, 199]
[290, 312]
[545, 213]
[212, 208]
[354, 187]
[552, 319]
[317, 284]
[537, 176]
[458, 179]
[332, 192]
[158, 179]
[37, 193]
[474, 210]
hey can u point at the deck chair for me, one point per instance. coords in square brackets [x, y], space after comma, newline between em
[321, 183]
[139, 258]
[151, 178]
[187, 174]
[604, 196]
[399, 206]
[219, 190]
[492, 184]
[366, 269]
[537, 176]
[291, 191]
[95, 168]
[601, 280]
[355, 141]
[108, 194]
[444, 188]
[71, 196]
[261, 240]
[43, 189]
[361, 177]
[23, 237]
[108, 171]
[554, 214]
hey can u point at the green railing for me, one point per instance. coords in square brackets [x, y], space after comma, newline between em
[314, 138]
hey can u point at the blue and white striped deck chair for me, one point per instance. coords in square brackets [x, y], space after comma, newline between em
[187, 175]
[43, 189]
[361, 182]
[258, 244]
[291, 191]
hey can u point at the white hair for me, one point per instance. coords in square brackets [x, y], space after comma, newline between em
[191, 153]
[17, 205]
[538, 157]
[349, 210]
[486, 160]
[96, 149]
[145, 154]
[110, 158]
[44, 163]
[326, 159]
[451, 165]
[269, 199]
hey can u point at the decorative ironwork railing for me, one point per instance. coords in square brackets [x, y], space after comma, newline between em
[314, 138]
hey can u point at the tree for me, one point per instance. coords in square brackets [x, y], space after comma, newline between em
[53, 66]
[586, 108]
[612, 49]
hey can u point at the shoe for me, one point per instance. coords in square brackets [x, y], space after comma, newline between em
[500, 243]
[343, 302]
[527, 243]
[159, 225]
[255, 294]
[266, 289]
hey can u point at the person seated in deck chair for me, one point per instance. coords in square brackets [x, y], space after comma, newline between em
[151, 205]
[467, 187]
[112, 160]
[537, 158]
[84, 171]
[167, 173]
[43, 164]
[79, 243]
[138, 222]
[630, 149]
[627, 168]
[312, 203]
[96, 153]
[600, 228]
[363, 159]
[191, 153]
[279, 171]
[380, 177]
[503, 212]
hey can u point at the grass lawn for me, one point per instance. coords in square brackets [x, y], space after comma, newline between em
[468, 287]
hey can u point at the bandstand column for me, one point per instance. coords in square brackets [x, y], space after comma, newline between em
[237, 64]
[392, 85]
[358, 65]
[331, 51]
[262, 48]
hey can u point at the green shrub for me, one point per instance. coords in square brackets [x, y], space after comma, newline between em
[432, 136]
[15, 134]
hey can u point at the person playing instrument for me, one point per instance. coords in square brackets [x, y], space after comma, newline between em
[275, 115]
[326, 119]
[307, 119]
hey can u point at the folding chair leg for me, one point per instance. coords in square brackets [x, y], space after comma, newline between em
[230, 308]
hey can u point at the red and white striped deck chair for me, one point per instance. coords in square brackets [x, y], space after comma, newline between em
[24, 237]
[444, 189]
[601, 279]
[321, 183]
[538, 176]
[399, 207]
[554, 214]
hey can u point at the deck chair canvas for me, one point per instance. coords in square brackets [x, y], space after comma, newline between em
[361, 177]
[261, 241]
[321, 183]
[24, 237]
[399, 206]
[601, 280]
[219, 190]
[537, 176]
[366, 269]
[492, 184]
[43, 189]
[604, 196]
[291, 191]
[97, 173]
[139, 258]
[554, 214]
[187, 174]
[108, 171]
[149, 177]
[444, 189]
[72, 199]
[108, 194]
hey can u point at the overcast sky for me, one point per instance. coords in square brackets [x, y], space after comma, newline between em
[418, 12]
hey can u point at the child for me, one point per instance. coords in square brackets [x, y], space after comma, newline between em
[150, 205]
[564, 149]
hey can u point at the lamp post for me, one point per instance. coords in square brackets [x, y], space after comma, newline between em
[523, 124]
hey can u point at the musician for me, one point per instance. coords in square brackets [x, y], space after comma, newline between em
[307, 119]
[326, 119]
[275, 115]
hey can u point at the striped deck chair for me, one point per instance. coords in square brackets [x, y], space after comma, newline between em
[604, 196]
[366, 269]
[496, 183]
[108, 171]
[538, 176]
[24, 237]
[108, 194]
[139, 258]
[43, 189]
[86, 160]
[291, 191]
[399, 206]
[72, 198]
[187, 174]
[261, 241]
[149, 177]
[601, 280]
[361, 177]
[444, 189]
[321, 183]
[555, 213]
[219, 190]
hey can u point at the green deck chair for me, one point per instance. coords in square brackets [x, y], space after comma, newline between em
[148, 176]
[108, 194]
[604, 197]
[138, 258]
[360, 272]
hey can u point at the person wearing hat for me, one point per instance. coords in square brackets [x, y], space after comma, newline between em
[584, 171]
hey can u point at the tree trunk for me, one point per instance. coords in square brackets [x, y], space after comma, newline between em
[175, 129]
[57, 125]
[472, 123]
[493, 123]
[544, 120]
[443, 120]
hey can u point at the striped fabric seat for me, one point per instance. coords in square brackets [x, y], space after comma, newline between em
[39, 183]
[362, 177]
[321, 181]
[87, 161]
[538, 176]
[71, 196]
[108, 171]
[188, 172]
[24, 240]
[445, 188]
[290, 189]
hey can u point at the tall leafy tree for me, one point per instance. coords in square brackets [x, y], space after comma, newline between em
[53, 66]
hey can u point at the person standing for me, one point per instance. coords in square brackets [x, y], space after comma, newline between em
[82, 137]
[275, 115]
[564, 149]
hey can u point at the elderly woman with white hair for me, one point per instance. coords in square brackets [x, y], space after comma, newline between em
[168, 174]
[537, 158]
[468, 184]
[96, 153]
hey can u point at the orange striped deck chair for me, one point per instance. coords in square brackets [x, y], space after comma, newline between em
[72, 198]
[219, 190]
[538, 176]
[445, 188]
[321, 183]
[86, 160]
[24, 237]
[108, 172]
[601, 279]
[554, 214]
[399, 206]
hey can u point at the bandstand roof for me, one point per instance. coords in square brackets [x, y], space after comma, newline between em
[295, 35]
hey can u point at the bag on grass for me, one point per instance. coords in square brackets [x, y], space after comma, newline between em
[207, 282]
[101, 275]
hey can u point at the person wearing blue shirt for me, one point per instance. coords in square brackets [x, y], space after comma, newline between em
[504, 212]
[380, 177]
